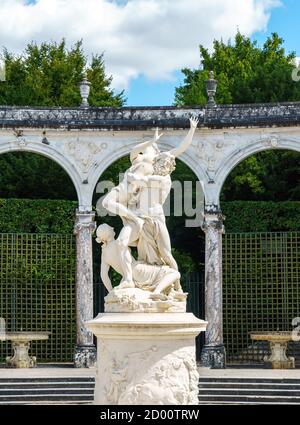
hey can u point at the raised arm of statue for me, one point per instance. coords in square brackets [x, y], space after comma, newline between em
[141, 147]
[187, 140]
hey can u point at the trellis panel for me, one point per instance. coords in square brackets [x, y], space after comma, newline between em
[260, 290]
[37, 291]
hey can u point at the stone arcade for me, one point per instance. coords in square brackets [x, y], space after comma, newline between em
[85, 141]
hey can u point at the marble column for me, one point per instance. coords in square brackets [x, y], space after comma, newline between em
[85, 351]
[213, 353]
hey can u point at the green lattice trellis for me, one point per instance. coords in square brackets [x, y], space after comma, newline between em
[261, 289]
[37, 291]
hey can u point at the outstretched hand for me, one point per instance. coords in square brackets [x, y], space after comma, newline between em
[156, 135]
[194, 122]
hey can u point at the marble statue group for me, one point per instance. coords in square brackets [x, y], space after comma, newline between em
[145, 337]
[150, 282]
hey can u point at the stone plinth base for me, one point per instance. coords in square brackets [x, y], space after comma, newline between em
[85, 356]
[135, 300]
[278, 358]
[146, 358]
[21, 358]
[285, 364]
[213, 356]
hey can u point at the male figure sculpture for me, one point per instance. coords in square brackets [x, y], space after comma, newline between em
[156, 279]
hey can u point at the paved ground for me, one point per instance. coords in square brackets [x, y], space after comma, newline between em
[249, 373]
[42, 372]
[69, 371]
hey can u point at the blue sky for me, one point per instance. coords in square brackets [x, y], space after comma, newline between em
[284, 20]
[143, 91]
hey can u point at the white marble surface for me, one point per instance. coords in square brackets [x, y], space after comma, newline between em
[150, 283]
[146, 358]
[21, 346]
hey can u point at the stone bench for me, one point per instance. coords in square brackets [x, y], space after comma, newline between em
[21, 345]
[278, 341]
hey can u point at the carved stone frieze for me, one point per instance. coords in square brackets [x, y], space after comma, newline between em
[84, 152]
[170, 379]
[210, 152]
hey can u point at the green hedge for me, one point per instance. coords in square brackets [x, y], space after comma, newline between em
[259, 216]
[37, 216]
[51, 216]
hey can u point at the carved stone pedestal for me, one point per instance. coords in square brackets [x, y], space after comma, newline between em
[278, 358]
[278, 344]
[146, 358]
[21, 358]
[20, 342]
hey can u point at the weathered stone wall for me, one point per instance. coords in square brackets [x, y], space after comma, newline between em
[279, 114]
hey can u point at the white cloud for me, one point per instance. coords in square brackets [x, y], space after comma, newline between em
[150, 37]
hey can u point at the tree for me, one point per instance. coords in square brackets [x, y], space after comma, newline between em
[49, 75]
[247, 73]
[266, 176]
[26, 175]
[101, 94]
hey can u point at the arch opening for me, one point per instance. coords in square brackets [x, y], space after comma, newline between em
[38, 252]
[31, 175]
[236, 158]
[260, 200]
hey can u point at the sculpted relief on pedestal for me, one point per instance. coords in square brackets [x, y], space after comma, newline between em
[170, 379]
[150, 282]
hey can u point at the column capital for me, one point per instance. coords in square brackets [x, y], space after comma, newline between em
[85, 220]
[85, 215]
[213, 218]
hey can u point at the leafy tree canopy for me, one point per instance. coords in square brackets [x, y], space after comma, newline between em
[266, 176]
[246, 73]
[49, 74]
[32, 176]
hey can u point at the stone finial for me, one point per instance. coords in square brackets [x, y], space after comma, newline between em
[211, 88]
[85, 87]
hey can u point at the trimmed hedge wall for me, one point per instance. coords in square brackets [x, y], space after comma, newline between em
[51, 216]
[37, 216]
[260, 216]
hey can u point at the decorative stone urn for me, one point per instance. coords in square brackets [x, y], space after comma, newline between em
[85, 87]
